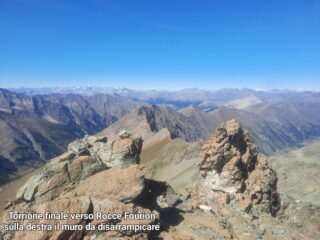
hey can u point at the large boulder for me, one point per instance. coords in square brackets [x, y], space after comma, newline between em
[119, 153]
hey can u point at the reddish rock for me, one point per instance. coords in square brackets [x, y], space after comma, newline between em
[122, 185]
[75, 205]
[231, 169]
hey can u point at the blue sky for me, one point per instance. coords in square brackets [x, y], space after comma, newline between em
[163, 44]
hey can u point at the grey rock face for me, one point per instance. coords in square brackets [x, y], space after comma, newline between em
[80, 147]
[27, 191]
[119, 153]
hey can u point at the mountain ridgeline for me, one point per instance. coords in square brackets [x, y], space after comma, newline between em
[38, 124]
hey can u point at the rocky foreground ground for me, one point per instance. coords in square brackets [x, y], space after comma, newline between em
[235, 196]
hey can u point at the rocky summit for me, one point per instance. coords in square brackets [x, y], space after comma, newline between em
[234, 196]
[230, 170]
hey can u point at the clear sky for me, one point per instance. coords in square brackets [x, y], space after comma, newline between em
[165, 44]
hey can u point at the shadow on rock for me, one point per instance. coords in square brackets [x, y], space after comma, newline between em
[161, 197]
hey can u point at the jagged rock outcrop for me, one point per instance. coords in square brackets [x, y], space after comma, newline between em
[93, 176]
[236, 196]
[231, 170]
[118, 153]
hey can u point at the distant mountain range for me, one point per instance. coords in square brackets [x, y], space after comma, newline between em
[37, 124]
[205, 99]
[36, 128]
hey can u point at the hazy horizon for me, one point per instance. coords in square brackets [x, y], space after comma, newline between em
[165, 45]
[160, 89]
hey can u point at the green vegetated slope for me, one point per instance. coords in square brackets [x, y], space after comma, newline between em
[174, 161]
[299, 173]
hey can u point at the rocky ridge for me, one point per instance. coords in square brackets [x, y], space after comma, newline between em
[148, 120]
[94, 175]
[235, 195]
